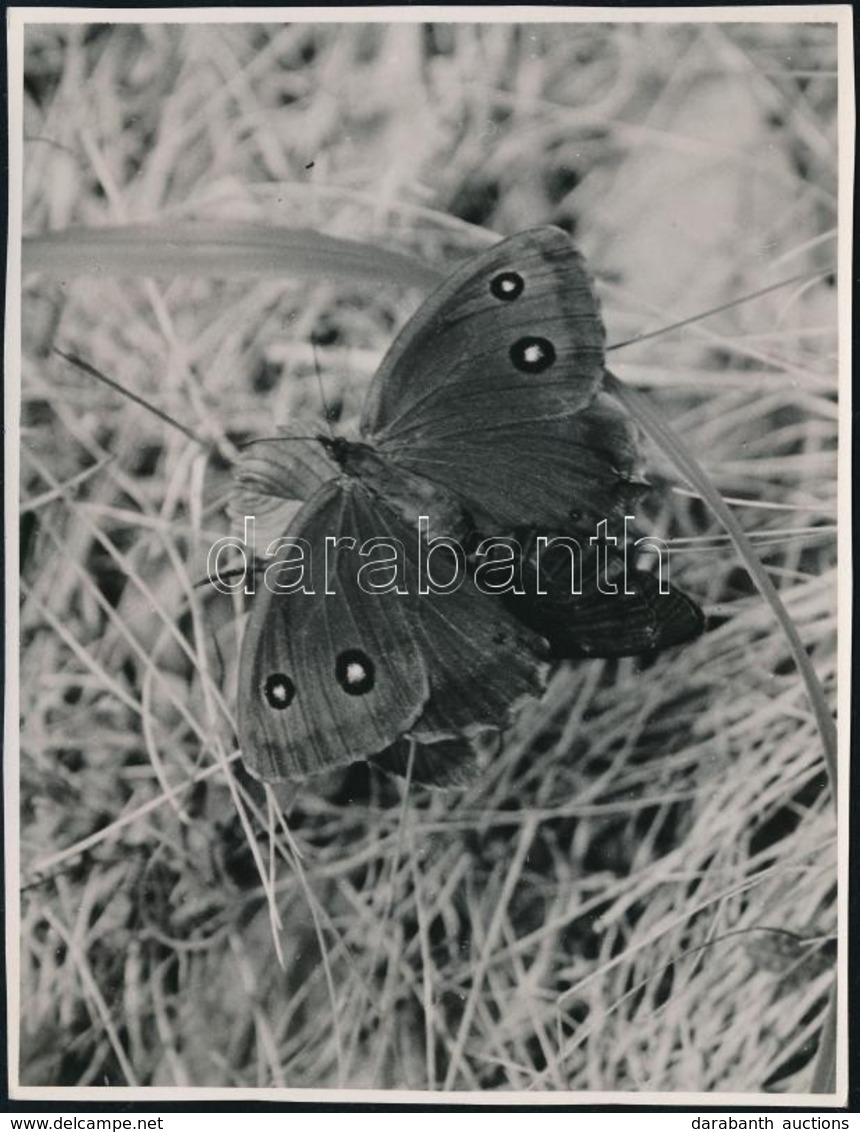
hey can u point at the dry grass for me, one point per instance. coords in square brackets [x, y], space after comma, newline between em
[592, 914]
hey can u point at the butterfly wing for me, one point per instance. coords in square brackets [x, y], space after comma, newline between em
[327, 677]
[490, 389]
[636, 619]
[275, 476]
[614, 625]
[447, 763]
[482, 662]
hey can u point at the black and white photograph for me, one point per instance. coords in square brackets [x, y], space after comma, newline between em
[427, 472]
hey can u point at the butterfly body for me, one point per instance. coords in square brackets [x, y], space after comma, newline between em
[486, 413]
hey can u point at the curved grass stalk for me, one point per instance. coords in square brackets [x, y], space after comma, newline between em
[824, 1071]
[218, 250]
[659, 431]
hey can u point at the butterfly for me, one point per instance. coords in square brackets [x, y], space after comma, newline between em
[486, 417]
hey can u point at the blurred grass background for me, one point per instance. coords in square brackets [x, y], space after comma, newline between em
[640, 893]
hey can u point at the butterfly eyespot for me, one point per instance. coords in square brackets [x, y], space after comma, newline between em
[354, 672]
[279, 691]
[507, 286]
[532, 355]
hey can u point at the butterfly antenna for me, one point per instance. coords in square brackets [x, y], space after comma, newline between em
[74, 360]
[327, 413]
[804, 277]
[282, 439]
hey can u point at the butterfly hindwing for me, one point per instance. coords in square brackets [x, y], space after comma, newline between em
[483, 390]
[612, 610]
[274, 477]
[444, 764]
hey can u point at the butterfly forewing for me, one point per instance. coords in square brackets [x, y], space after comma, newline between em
[508, 347]
[329, 677]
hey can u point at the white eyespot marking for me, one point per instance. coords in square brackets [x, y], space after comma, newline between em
[354, 672]
[532, 355]
[507, 286]
[279, 691]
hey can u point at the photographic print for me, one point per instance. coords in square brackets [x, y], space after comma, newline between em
[424, 444]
